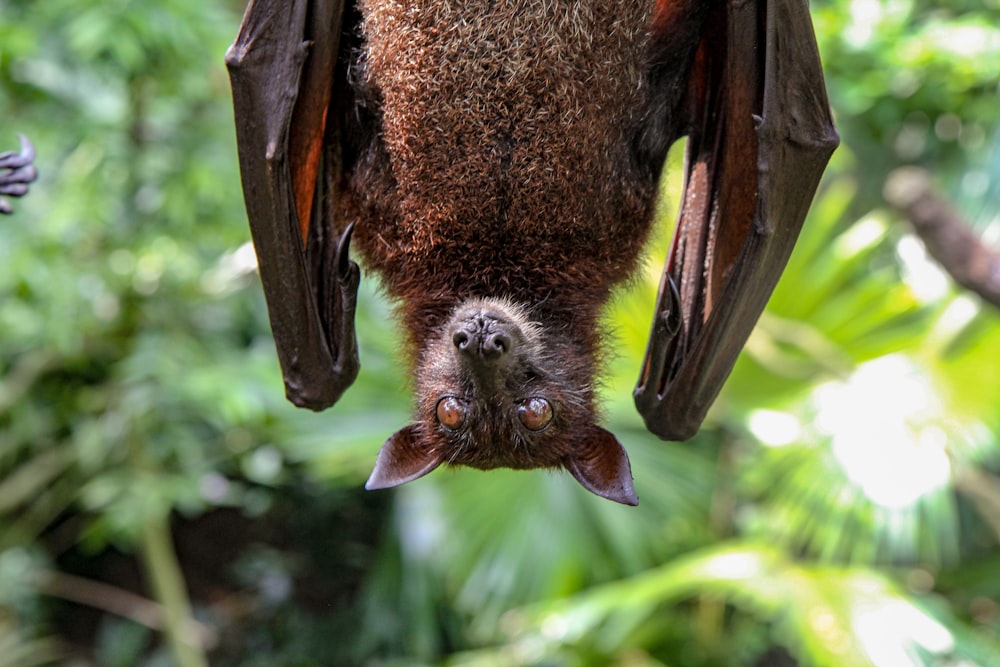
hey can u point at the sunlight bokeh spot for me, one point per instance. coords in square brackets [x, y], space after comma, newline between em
[865, 15]
[891, 631]
[957, 315]
[883, 433]
[775, 428]
[734, 566]
[921, 274]
[865, 233]
[825, 623]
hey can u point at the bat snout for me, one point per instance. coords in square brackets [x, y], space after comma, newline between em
[482, 340]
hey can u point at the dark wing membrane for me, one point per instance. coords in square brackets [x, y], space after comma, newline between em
[760, 135]
[282, 71]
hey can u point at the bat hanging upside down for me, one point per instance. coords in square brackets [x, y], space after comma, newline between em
[496, 163]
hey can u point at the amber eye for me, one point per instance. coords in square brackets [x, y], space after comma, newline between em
[535, 413]
[451, 413]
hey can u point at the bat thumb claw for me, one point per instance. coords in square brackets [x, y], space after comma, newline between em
[346, 269]
[671, 317]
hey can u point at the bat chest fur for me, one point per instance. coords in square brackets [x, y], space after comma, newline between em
[503, 164]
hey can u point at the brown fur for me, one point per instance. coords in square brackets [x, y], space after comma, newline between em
[503, 166]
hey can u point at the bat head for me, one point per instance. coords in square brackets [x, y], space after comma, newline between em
[499, 390]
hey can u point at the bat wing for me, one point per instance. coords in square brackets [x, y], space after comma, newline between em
[282, 71]
[760, 135]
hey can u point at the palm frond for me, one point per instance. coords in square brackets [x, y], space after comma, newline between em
[826, 616]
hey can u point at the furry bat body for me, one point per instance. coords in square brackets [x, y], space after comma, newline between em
[509, 177]
[497, 163]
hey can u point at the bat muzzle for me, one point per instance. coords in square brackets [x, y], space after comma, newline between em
[484, 340]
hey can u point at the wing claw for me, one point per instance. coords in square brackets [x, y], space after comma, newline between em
[345, 267]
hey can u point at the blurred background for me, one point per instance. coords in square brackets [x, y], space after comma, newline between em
[161, 504]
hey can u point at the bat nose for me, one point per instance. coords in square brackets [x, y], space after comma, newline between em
[482, 338]
[481, 344]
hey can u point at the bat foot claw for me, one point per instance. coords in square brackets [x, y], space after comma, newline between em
[20, 172]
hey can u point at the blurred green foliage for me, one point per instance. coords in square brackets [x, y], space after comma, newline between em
[841, 506]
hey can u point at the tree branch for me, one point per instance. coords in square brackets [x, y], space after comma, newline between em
[114, 600]
[948, 237]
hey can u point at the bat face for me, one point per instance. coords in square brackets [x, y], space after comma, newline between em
[495, 391]
[488, 395]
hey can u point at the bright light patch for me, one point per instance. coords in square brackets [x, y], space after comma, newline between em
[227, 274]
[264, 465]
[774, 428]
[970, 41]
[890, 630]
[556, 627]
[959, 313]
[882, 423]
[864, 234]
[734, 566]
[921, 274]
[865, 15]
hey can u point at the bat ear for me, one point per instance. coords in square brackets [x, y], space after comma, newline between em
[401, 460]
[604, 469]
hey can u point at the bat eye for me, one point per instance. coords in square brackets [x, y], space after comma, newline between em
[451, 413]
[535, 413]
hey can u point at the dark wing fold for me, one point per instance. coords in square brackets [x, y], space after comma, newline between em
[282, 71]
[760, 135]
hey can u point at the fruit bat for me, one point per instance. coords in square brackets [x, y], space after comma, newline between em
[497, 163]
[17, 171]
